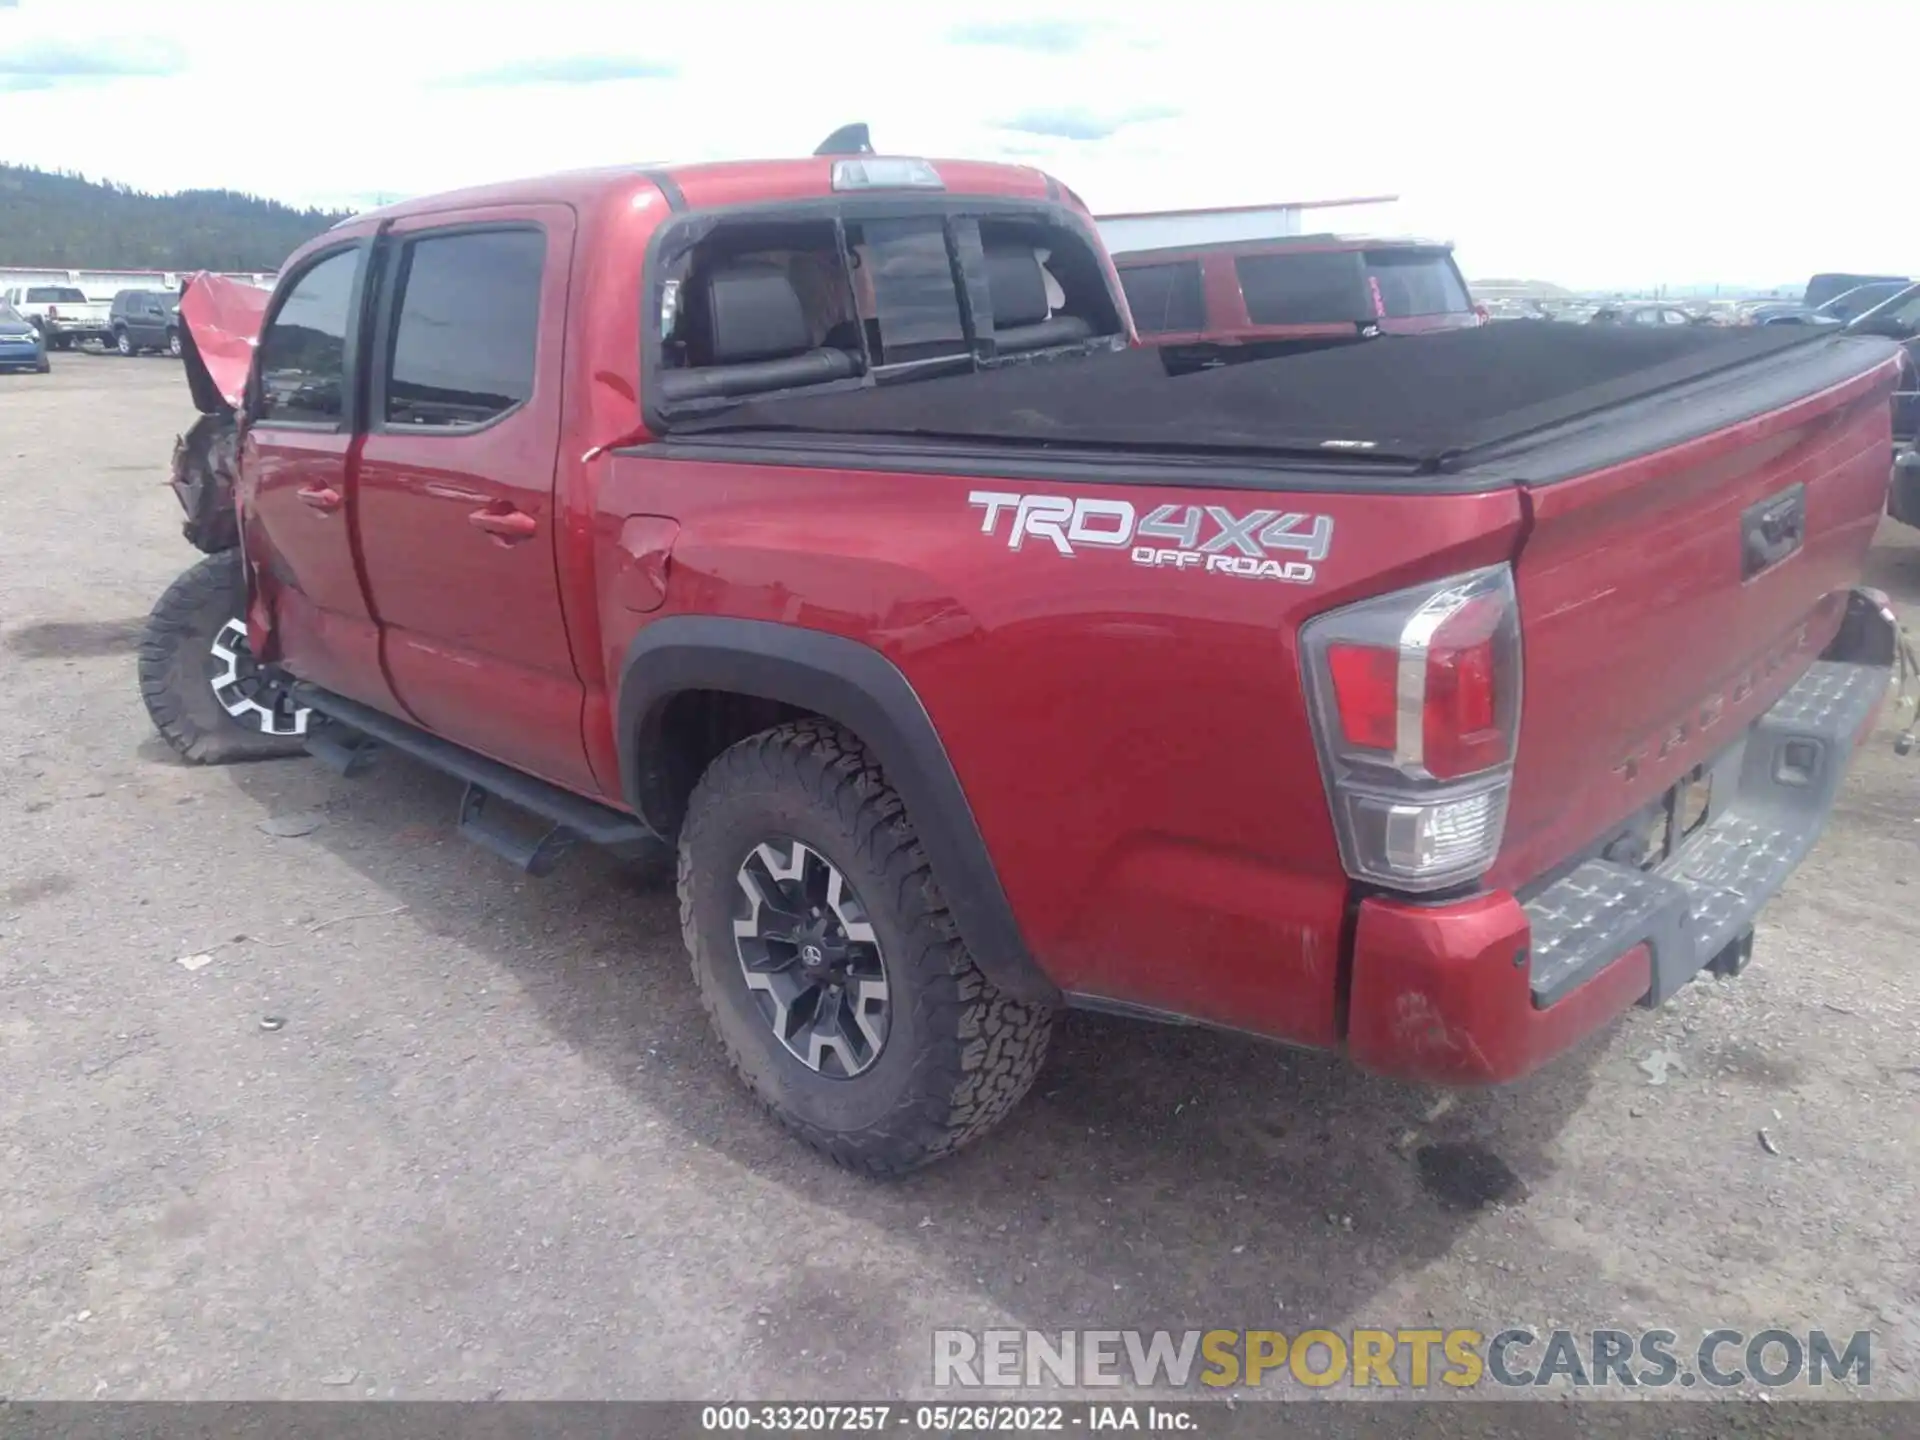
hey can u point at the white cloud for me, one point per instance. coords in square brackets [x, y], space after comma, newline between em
[1594, 144]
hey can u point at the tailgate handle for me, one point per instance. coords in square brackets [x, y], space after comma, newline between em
[1771, 530]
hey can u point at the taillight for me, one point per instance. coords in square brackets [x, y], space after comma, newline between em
[1416, 706]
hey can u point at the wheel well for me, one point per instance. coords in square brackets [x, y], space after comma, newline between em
[690, 732]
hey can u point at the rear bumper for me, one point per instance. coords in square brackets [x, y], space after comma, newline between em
[1487, 989]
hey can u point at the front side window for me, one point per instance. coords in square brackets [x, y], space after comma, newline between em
[1415, 282]
[466, 328]
[1312, 287]
[303, 354]
[1165, 299]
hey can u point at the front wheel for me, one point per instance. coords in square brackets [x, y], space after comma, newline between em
[206, 696]
[173, 344]
[829, 965]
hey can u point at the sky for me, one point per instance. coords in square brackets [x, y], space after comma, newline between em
[1596, 145]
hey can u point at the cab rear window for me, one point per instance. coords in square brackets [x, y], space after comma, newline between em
[56, 295]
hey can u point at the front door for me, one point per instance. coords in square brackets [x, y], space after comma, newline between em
[456, 483]
[296, 473]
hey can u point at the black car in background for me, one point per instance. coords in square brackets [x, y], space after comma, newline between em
[1824, 287]
[1898, 318]
[146, 320]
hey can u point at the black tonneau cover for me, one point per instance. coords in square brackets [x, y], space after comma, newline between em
[1421, 399]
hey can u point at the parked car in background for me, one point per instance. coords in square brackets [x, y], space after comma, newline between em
[146, 320]
[1643, 315]
[1243, 299]
[1898, 318]
[1824, 287]
[1852, 304]
[21, 347]
[62, 314]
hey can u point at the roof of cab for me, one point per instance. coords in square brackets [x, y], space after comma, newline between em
[713, 183]
[1279, 245]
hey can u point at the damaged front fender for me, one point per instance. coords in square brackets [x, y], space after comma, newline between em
[220, 322]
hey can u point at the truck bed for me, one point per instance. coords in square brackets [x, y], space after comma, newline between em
[1438, 401]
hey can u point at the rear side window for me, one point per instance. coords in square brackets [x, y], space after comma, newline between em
[1414, 282]
[1165, 299]
[302, 356]
[466, 327]
[1308, 288]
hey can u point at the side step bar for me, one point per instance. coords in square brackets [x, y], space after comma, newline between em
[348, 745]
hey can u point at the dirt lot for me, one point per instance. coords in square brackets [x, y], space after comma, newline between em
[493, 1152]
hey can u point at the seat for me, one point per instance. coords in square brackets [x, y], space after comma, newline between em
[749, 323]
[1019, 290]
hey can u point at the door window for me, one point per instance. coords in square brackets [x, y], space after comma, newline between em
[466, 328]
[303, 354]
[1165, 299]
[1310, 287]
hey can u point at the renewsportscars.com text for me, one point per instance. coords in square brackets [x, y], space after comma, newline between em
[1416, 1359]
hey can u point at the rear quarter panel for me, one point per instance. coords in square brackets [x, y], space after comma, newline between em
[1131, 740]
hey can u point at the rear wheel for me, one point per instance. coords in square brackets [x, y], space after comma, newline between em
[206, 696]
[829, 965]
[123, 342]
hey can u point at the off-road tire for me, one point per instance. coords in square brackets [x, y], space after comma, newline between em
[177, 667]
[959, 1053]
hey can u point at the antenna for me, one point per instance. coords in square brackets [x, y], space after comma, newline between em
[847, 140]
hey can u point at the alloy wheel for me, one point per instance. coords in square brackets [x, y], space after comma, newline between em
[811, 960]
[243, 692]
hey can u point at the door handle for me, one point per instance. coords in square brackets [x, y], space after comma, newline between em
[505, 525]
[320, 497]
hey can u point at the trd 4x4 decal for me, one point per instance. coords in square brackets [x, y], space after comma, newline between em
[1170, 536]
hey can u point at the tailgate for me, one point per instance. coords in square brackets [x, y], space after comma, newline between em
[1667, 601]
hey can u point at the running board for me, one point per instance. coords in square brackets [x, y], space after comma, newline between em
[569, 818]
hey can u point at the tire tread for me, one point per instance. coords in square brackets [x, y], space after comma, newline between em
[990, 1046]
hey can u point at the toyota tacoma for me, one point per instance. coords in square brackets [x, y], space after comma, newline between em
[1430, 700]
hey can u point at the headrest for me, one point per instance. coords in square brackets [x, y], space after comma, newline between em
[754, 313]
[1018, 286]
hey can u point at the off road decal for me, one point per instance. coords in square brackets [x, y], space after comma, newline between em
[1207, 538]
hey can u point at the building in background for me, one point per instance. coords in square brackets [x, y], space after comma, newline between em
[105, 284]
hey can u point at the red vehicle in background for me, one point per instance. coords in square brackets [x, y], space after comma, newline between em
[1246, 299]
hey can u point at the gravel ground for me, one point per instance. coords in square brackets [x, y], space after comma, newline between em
[493, 1152]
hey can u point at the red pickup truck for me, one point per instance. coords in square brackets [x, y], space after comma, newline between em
[1433, 701]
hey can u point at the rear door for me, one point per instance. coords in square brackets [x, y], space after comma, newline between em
[296, 471]
[153, 320]
[455, 505]
[1667, 601]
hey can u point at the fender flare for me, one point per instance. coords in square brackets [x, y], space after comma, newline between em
[853, 685]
